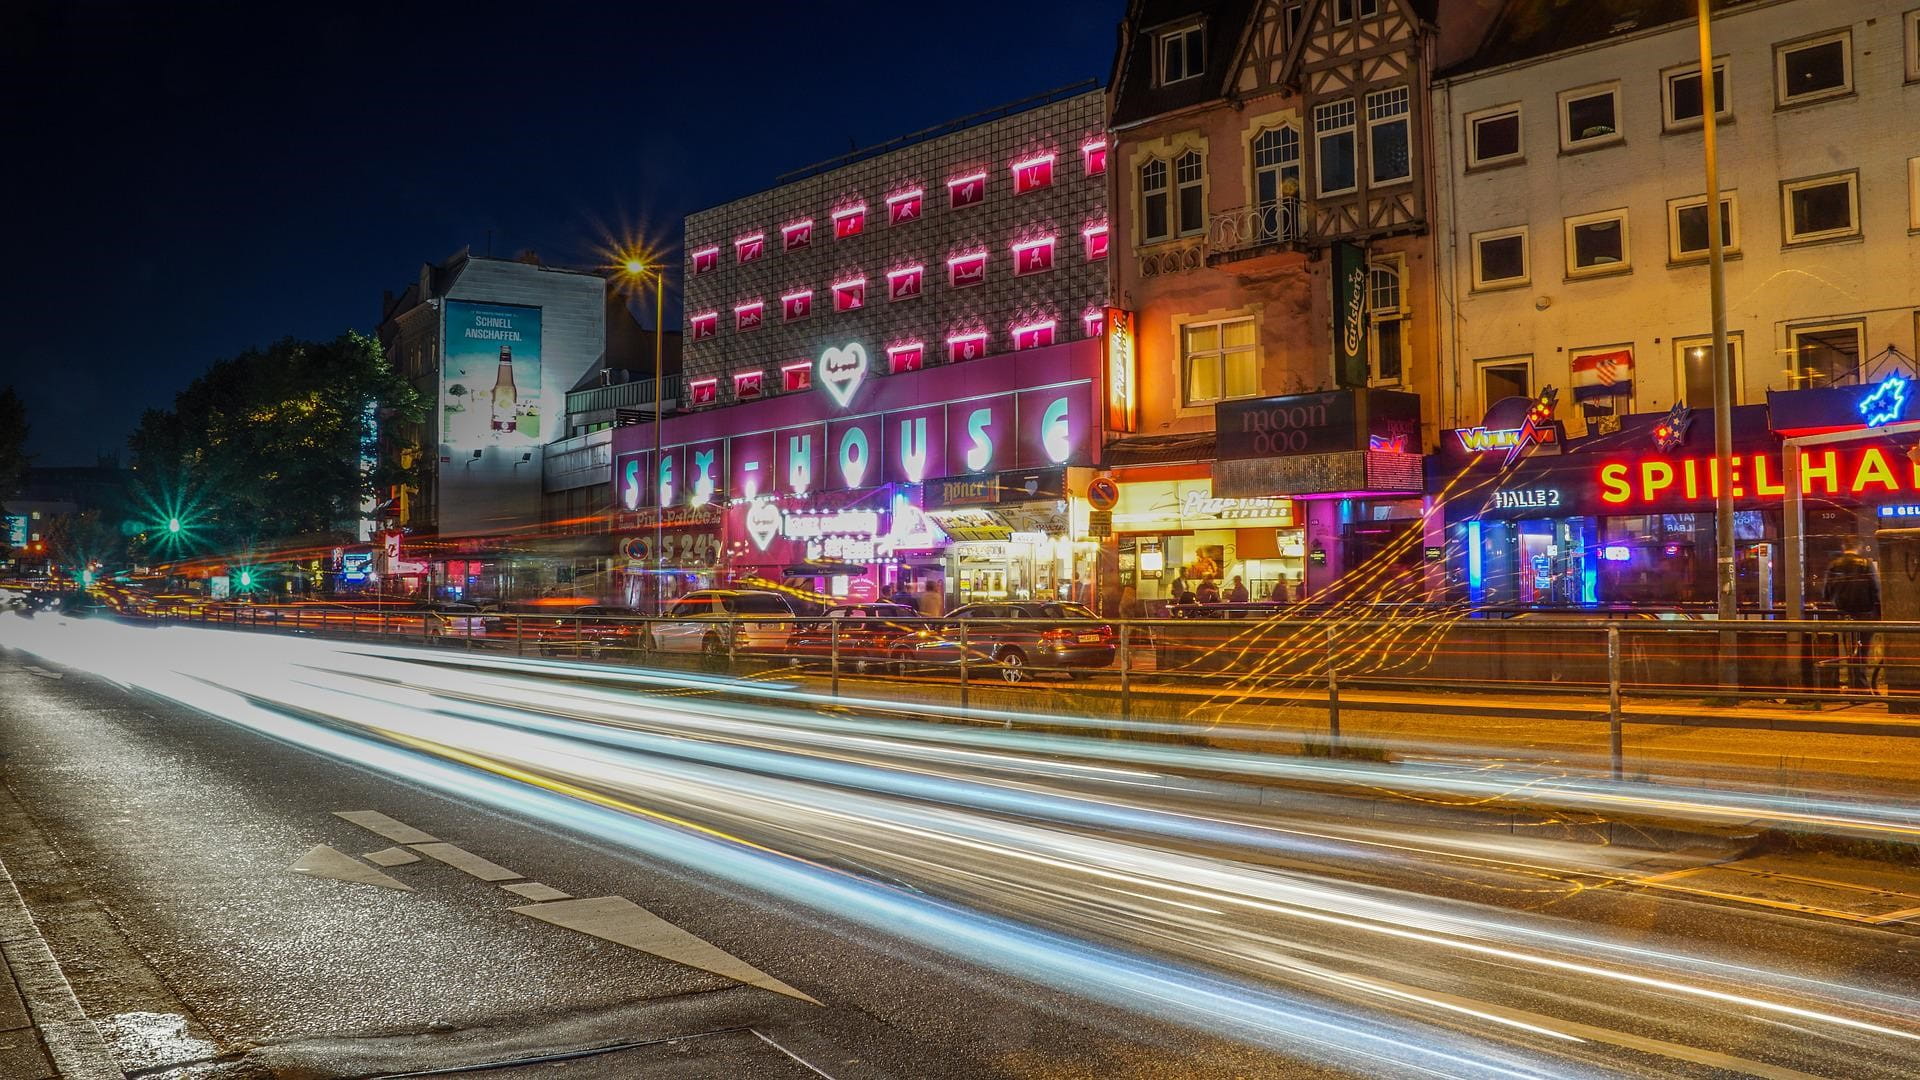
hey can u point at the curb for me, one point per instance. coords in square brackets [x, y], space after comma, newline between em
[73, 1043]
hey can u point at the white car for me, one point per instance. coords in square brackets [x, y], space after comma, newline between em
[714, 624]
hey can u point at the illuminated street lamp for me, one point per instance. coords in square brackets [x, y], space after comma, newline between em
[638, 267]
[173, 525]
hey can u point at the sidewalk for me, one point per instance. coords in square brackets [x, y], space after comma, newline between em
[43, 1033]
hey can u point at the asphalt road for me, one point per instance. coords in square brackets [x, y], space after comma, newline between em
[937, 899]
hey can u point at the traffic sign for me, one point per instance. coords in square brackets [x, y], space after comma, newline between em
[1103, 494]
[1100, 524]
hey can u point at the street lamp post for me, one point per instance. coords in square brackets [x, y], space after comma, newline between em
[1727, 582]
[639, 268]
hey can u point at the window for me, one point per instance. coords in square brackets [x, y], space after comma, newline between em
[1827, 355]
[1154, 220]
[1493, 136]
[703, 325]
[1597, 244]
[1295, 13]
[967, 270]
[1389, 153]
[849, 221]
[1386, 310]
[1096, 238]
[1913, 45]
[1687, 227]
[1033, 256]
[1036, 335]
[1693, 369]
[966, 190]
[748, 248]
[797, 235]
[1913, 194]
[704, 391]
[971, 345]
[1814, 69]
[1276, 181]
[1342, 12]
[1333, 146]
[904, 283]
[1032, 174]
[747, 385]
[1500, 258]
[1504, 378]
[1680, 96]
[903, 207]
[747, 316]
[1093, 157]
[1369, 9]
[707, 258]
[850, 295]
[1218, 361]
[905, 357]
[1183, 54]
[1190, 184]
[797, 377]
[1821, 207]
[1602, 379]
[796, 305]
[1590, 116]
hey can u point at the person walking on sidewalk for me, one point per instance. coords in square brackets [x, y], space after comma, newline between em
[1853, 590]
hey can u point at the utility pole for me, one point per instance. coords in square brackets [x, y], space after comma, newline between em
[1727, 580]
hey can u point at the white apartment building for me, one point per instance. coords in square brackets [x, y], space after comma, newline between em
[1572, 184]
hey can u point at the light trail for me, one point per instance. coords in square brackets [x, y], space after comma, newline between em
[1068, 873]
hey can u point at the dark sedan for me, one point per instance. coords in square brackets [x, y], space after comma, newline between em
[1021, 637]
[871, 635]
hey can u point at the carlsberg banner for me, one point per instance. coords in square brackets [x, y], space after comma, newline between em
[490, 377]
[1349, 315]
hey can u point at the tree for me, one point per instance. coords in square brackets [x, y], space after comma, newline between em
[269, 446]
[13, 451]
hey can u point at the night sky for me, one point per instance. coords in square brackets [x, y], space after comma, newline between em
[189, 180]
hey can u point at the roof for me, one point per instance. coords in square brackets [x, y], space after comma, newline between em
[1528, 29]
[1159, 449]
[1135, 97]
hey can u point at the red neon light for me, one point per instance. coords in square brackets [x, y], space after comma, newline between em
[704, 324]
[748, 248]
[747, 316]
[850, 295]
[849, 221]
[1033, 256]
[705, 391]
[796, 305]
[966, 190]
[797, 376]
[797, 235]
[1033, 335]
[903, 207]
[971, 346]
[707, 258]
[965, 270]
[1093, 154]
[1859, 473]
[1032, 174]
[1096, 238]
[746, 384]
[904, 283]
[906, 357]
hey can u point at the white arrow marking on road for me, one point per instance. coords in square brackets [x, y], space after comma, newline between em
[623, 922]
[537, 892]
[461, 859]
[393, 856]
[397, 831]
[325, 862]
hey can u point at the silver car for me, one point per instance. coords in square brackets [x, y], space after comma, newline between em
[715, 624]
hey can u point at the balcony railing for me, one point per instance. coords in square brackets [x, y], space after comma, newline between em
[1248, 228]
[621, 396]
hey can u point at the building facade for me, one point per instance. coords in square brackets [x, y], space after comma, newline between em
[892, 364]
[1572, 189]
[1271, 194]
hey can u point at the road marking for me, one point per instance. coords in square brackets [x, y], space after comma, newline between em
[393, 856]
[623, 922]
[397, 831]
[537, 892]
[44, 673]
[466, 861]
[325, 862]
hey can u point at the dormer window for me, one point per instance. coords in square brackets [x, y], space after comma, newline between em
[1183, 54]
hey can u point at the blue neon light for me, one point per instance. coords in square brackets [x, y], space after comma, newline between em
[1615, 553]
[1888, 400]
[1474, 589]
[1900, 510]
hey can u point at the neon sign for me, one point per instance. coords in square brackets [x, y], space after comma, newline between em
[842, 370]
[797, 235]
[903, 207]
[1480, 440]
[707, 258]
[849, 221]
[904, 283]
[1032, 174]
[1888, 400]
[1834, 473]
[966, 190]
[1122, 407]
[1526, 499]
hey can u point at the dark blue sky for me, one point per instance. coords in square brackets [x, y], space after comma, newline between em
[190, 180]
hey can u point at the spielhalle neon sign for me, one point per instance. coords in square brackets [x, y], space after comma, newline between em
[1861, 473]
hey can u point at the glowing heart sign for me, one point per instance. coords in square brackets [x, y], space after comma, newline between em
[842, 370]
[763, 523]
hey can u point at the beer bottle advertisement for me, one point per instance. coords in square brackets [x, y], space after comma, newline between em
[490, 377]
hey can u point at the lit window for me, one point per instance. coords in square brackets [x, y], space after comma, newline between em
[1189, 179]
[1597, 244]
[748, 248]
[1096, 238]
[850, 295]
[1093, 157]
[796, 376]
[966, 190]
[1503, 379]
[1276, 182]
[704, 391]
[971, 345]
[904, 283]
[1680, 96]
[1389, 150]
[1032, 174]
[1094, 322]
[1827, 355]
[1913, 193]
[1913, 45]
[1037, 335]
[702, 326]
[1218, 360]
[1814, 69]
[1155, 222]
[903, 207]
[1687, 227]
[796, 305]
[966, 270]
[1183, 54]
[849, 221]
[1821, 207]
[747, 385]
[1493, 136]
[1033, 256]
[1333, 142]
[1386, 310]
[1693, 369]
[797, 235]
[707, 258]
[747, 316]
[907, 357]
[1589, 117]
[1500, 258]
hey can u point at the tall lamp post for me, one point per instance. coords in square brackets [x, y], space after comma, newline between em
[639, 268]
[1726, 579]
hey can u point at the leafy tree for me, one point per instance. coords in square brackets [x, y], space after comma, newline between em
[267, 447]
[13, 450]
[76, 541]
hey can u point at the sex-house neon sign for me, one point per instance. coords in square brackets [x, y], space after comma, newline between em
[1860, 473]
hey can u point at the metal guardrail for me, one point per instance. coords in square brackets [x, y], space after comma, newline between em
[623, 395]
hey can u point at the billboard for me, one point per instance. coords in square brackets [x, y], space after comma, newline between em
[490, 377]
[16, 530]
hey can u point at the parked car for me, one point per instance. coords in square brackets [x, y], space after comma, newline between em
[714, 624]
[595, 630]
[870, 635]
[1019, 637]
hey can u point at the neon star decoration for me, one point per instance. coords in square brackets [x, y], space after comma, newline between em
[1671, 431]
[1888, 402]
[1535, 427]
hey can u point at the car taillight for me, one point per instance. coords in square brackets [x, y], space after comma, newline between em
[1060, 634]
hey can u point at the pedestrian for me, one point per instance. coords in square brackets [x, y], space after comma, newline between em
[928, 602]
[1279, 593]
[902, 595]
[1853, 590]
[1208, 592]
[1237, 594]
[1179, 587]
